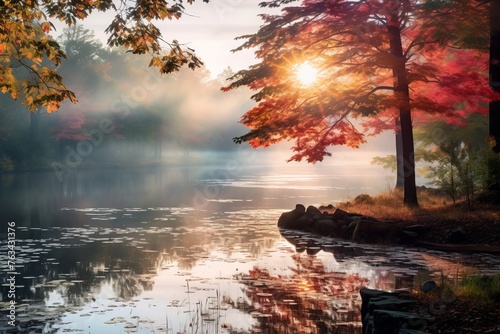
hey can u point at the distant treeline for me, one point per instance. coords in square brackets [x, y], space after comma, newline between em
[127, 114]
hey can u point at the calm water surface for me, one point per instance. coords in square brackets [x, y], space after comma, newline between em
[195, 250]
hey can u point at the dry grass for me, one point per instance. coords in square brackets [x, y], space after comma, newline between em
[389, 206]
[435, 211]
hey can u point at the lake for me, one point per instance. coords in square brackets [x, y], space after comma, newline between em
[195, 250]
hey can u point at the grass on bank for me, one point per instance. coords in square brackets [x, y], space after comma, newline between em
[432, 206]
[480, 288]
[476, 289]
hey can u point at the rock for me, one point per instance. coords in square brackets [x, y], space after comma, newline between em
[411, 331]
[374, 231]
[339, 214]
[352, 225]
[427, 286]
[305, 222]
[345, 232]
[345, 225]
[312, 210]
[327, 208]
[288, 219]
[457, 236]
[393, 303]
[367, 294]
[386, 321]
[407, 237]
[385, 312]
[329, 227]
[419, 229]
[313, 250]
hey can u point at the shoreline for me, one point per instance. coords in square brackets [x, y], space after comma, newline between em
[449, 228]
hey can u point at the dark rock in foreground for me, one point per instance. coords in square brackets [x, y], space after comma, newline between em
[385, 312]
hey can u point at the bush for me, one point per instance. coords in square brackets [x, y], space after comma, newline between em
[364, 199]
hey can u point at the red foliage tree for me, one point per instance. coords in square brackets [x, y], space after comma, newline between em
[376, 67]
[71, 127]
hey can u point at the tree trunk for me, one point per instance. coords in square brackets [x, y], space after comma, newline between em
[402, 93]
[400, 181]
[495, 71]
[34, 147]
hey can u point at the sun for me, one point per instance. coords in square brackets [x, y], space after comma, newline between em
[306, 73]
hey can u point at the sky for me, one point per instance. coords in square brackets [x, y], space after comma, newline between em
[208, 28]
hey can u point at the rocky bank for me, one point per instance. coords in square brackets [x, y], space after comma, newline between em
[337, 223]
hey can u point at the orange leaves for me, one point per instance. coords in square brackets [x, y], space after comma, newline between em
[368, 52]
[46, 26]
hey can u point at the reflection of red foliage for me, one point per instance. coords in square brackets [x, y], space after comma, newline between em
[310, 300]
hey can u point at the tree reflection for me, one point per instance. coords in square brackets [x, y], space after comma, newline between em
[310, 300]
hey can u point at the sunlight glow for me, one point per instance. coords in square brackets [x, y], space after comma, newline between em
[306, 73]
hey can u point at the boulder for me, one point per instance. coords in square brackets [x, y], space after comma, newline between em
[305, 222]
[407, 237]
[392, 303]
[419, 229]
[385, 312]
[345, 232]
[374, 231]
[428, 286]
[288, 219]
[388, 322]
[411, 331]
[458, 236]
[312, 210]
[329, 227]
[339, 214]
[352, 224]
[367, 294]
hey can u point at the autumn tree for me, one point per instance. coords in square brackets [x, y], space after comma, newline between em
[25, 41]
[376, 67]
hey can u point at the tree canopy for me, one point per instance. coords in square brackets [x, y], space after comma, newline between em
[380, 63]
[28, 53]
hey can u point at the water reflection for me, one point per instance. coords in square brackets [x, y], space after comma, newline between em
[119, 253]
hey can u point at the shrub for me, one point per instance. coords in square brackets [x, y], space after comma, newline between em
[363, 199]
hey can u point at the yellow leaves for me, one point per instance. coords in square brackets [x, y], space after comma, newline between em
[4, 89]
[155, 62]
[53, 106]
